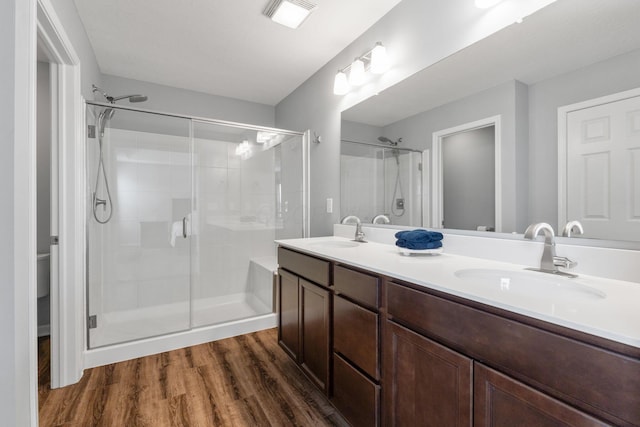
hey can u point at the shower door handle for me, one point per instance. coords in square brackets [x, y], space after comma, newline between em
[184, 227]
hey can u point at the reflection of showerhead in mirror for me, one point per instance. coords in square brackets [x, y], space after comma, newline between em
[388, 141]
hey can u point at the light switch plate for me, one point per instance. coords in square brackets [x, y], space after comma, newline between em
[329, 205]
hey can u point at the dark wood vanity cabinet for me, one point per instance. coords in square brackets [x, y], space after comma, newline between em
[523, 374]
[397, 354]
[304, 316]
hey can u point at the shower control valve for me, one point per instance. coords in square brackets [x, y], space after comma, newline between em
[98, 201]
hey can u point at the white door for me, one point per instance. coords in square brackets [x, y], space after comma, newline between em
[603, 169]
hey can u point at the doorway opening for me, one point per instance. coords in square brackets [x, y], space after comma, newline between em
[466, 177]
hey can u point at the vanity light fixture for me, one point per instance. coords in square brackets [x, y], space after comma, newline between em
[356, 73]
[290, 13]
[379, 59]
[374, 60]
[486, 4]
[341, 84]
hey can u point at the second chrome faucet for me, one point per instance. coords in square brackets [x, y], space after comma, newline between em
[359, 236]
[549, 262]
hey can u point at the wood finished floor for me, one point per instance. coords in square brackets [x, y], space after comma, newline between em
[241, 381]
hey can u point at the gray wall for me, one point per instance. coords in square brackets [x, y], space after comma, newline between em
[43, 174]
[359, 132]
[187, 102]
[417, 34]
[43, 148]
[11, 357]
[615, 75]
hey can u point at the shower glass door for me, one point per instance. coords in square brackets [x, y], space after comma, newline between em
[138, 225]
[248, 192]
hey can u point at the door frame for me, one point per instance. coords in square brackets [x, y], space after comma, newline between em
[437, 204]
[68, 152]
[563, 142]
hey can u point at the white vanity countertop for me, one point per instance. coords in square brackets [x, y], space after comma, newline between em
[603, 307]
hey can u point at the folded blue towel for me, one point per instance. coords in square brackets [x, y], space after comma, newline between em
[419, 236]
[418, 245]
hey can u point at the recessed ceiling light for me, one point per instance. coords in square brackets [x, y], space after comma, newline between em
[290, 13]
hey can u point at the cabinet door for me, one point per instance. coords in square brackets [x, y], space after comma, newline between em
[314, 324]
[425, 383]
[502, 401]
[289, 314]
[356, 396]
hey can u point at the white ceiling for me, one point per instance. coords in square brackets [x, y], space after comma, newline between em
[562, 37]
[221, 47]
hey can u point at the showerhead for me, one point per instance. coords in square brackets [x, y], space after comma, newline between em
[388, 141]
[113, 99]
[132, 98]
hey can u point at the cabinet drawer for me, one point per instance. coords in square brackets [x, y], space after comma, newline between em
[355, 396]
[311, 268]
[358, 286]
[596, 380]
[355, 335]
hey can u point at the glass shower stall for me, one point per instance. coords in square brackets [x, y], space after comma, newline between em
[181, 220]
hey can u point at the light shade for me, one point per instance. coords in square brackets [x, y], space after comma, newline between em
[341, 84]
[290, 13]
[485, 4]
[243, 149]
[379, 59]
[356, 73]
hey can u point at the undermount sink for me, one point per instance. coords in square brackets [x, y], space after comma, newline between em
[531, 284]
[333, 244]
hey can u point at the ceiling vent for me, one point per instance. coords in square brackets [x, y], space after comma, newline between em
[290, 13]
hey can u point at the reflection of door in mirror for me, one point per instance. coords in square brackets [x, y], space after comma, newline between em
[465, 177]
[603, 167]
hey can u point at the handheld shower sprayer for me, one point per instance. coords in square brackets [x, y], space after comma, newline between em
[397, 201]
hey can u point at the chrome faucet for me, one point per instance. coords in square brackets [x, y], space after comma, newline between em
[572, 227]
[385, 219]
[359, 236]
[549, 262]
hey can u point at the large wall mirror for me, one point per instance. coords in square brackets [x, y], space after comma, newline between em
[531, 76]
